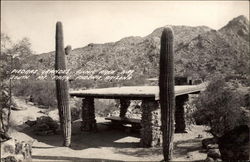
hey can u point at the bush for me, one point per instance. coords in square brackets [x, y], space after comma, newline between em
[76, 109]
[220, 107]
[42, 92]
[104, 108]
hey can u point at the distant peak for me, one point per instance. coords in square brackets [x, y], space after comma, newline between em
[241, 17]
[239, 20]
[237, 26]
[237, 23]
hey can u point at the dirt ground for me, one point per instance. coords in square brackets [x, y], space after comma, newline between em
[106, 144]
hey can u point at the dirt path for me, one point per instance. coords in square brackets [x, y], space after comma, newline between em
[106, 144]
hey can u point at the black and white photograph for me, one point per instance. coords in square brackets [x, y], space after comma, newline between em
[120, 81]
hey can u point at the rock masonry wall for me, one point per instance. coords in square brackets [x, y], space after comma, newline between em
[150, 132]
[88, 115]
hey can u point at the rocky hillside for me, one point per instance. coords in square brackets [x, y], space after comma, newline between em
[224, 51]
[200, 52]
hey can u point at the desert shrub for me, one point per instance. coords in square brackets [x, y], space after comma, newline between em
[105, 107]
[189, 108]
[75, 113]
[82, 84]
[43, 92]
[76, 108]
[247, 101]
[220, 107]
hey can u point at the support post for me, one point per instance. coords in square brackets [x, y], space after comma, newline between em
[88, 115]
[180, 124]
[124, 104]
[150, 123]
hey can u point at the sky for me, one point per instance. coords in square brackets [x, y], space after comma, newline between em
[87, 22]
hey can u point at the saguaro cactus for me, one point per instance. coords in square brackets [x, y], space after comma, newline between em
[167, 97]
[62, 88]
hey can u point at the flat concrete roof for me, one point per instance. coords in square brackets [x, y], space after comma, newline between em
[135, 92]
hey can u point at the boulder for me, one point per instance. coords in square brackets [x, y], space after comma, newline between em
[7, 148]
[209, 159]
[44, 125]
[212, 146]
[214, 153]
[14, 150]
[4, 136]
[54, 114]
[208, 141]
[9, 159]
[30, 123]
[234, 145]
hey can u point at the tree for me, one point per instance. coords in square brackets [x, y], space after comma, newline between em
[10, 57]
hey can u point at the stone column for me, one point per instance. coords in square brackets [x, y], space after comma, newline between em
[180, 124]
[88, 115]
[151, 122]
[124, 104]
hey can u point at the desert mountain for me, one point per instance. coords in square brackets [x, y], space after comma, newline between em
[199, 52]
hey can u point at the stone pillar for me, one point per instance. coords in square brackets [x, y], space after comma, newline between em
[151, 122]
[124, 104]
[180, 124]
[88, 115]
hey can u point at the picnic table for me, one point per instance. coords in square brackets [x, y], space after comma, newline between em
[150, 121]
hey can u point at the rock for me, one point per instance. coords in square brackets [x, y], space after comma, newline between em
[234, 145]
[207, 141]
[30, 103]
[214, 153]
[209, 159]
[42, 112]
[24, 148]
[212, 146]
[54, 115]
[30, 123]
[4, 136]
[43, 126]
[16, 108]
[7, 148]
[9, 159]
[200, 136]
[13, 151]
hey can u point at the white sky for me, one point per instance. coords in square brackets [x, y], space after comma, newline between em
[108, 21]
